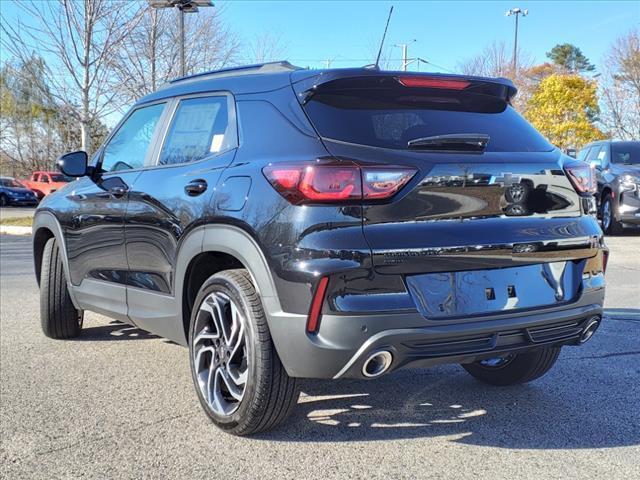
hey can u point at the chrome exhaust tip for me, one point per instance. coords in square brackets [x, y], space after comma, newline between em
[377, 363]
[592, 325]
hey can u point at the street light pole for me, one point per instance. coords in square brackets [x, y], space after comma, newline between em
[183, 6]
[516, 12]
[181, 22]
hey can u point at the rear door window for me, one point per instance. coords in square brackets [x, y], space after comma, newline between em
[200, 128]
[392, 115]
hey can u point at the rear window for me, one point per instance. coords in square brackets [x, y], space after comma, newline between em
[390, 117]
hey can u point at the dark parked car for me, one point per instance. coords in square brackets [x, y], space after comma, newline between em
[12, 192]
[285, 223]
[617, 167]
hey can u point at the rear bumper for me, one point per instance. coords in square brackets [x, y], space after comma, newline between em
[344, 342]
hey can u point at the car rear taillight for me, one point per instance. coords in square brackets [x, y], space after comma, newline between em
[582, 177]
[330, 183]
[434, 82]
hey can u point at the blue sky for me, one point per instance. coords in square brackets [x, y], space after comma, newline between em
[446, 32]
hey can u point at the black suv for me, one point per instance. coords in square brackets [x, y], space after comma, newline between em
[286, 223]
[617, 167]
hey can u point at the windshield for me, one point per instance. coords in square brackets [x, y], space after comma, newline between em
[391, 117]
[627, 153]
[10, 183]
[58, 177]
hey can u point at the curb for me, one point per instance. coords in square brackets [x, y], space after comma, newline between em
[14, 230]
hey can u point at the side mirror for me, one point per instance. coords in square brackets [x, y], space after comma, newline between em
[596, 165]
[74, 164]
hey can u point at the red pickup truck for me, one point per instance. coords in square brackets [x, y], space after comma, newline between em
[44, 183]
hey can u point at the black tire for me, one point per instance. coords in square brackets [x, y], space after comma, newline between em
[610, 226]
[518, 368]
[4, 201]
[58, 317]
[269, 393]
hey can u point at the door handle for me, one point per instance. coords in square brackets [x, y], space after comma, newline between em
[196, 187]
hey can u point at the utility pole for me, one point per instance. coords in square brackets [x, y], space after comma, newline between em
[405, 54]
[516, 12]
[183, 6]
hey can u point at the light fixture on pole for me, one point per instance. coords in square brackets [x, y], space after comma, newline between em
[516, 12]
[184, 6]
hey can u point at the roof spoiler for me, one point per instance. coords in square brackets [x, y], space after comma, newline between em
[306, 83]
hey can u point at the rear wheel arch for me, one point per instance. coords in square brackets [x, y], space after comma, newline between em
[222, 247]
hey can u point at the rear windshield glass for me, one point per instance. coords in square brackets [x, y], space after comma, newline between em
[391, 117]
[625, 153]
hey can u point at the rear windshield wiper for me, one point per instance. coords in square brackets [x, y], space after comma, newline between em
[457, 142]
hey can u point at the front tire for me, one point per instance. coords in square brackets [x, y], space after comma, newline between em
[610, 225]
[58, 317]
[515, 368]
[238, 376]
[4, 200]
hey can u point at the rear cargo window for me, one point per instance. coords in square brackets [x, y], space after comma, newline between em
[391, 117]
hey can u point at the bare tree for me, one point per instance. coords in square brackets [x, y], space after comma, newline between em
[620, 88]
[79, 39]
[496, 60]
[149, 56]
[266, 47]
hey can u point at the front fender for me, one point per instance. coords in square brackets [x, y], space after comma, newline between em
[46, 224]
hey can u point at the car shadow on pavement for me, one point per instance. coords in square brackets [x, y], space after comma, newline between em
[113, 331]
[561, 411]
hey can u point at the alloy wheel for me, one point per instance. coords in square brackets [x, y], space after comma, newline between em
[220, 354]
[606, 215]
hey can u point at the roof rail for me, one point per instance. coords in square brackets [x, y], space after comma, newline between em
[269, 67]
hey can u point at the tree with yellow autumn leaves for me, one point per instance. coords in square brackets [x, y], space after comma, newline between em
[563, 108]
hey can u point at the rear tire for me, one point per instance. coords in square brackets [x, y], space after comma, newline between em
[4, 201]
[58, 317]
[517, 368]
[240, 381]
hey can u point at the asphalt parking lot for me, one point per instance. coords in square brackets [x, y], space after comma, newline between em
[118, 402]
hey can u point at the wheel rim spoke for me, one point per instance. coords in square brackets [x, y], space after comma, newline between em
[220, 355]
